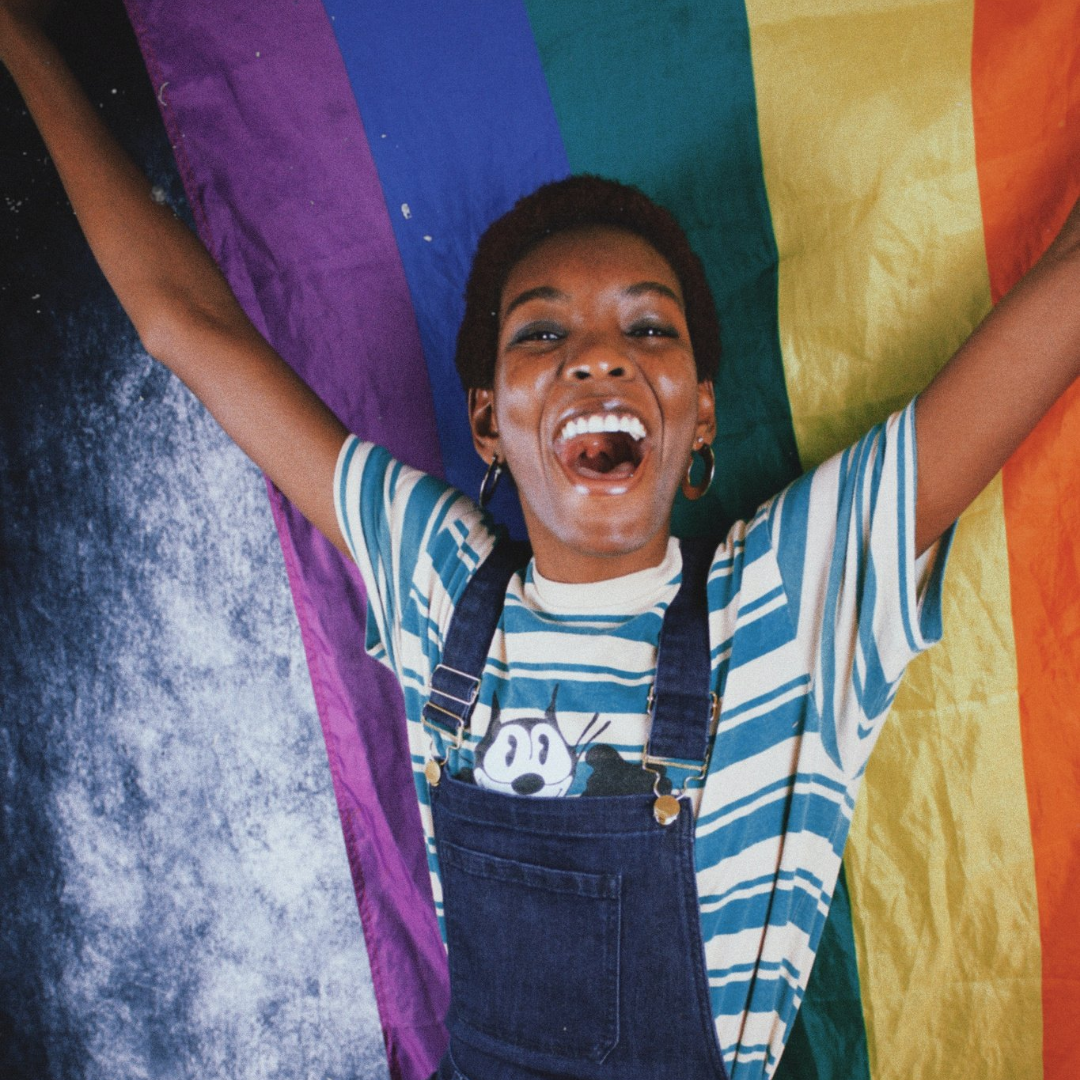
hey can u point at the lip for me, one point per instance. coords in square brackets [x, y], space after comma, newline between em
[602, 484]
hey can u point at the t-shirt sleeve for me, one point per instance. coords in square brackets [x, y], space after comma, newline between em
[862, 604]
[416, 541]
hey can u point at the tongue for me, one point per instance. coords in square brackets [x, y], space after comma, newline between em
[608, 455]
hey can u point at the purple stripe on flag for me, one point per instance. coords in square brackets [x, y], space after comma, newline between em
[277, 168]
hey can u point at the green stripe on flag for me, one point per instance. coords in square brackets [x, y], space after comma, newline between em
[666, 101]
[828, 1040]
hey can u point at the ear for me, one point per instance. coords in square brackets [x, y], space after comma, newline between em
[485, 429]
[494, 723]
[705, 429]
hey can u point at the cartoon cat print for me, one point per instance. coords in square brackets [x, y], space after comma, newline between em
[530, 756]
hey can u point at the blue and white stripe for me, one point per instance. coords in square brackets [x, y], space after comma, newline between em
[814, 614]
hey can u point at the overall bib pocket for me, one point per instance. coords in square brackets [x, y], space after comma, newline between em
[534, 953]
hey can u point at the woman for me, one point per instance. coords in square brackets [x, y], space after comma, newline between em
[589, 307]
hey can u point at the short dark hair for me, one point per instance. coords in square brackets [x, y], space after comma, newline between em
[578, 202]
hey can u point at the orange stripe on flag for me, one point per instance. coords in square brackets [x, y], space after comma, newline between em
[1026, 101]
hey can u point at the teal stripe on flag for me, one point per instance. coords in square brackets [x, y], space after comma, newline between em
[828, 1039]
[666, 101]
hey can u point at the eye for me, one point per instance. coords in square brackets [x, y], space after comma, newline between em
[545, 746]
[512, 752]
[536, 331]
[652, 328]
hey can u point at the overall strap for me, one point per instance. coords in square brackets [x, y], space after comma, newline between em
[682, 704]
[455, 682]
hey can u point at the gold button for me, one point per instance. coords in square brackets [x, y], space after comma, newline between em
[666, 809]
[433, 772]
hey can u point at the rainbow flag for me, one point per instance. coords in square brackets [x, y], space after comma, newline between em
[863, 181]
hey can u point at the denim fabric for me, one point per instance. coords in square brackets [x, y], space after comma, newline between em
[571, 1010]
[574, 939]
[572, 924]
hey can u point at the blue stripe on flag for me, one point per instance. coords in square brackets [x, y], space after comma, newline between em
[455, 145]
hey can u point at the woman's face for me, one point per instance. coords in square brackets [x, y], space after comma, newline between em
[596, 405]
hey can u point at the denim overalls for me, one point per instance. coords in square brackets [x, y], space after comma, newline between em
[572, 923]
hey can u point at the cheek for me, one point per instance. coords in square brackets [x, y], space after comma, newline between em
[518, 416]
[517, 438]
[680, 400]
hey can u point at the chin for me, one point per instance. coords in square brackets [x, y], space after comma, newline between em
[578, 534]
[607, 542]
[616, 524]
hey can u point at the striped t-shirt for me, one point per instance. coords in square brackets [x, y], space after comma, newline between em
[816, 607]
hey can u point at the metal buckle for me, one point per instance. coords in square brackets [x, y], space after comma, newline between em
[648, 761]
[458, 738]
[667, 808]
[438, 736]
[461, 701]
[434, 766]
[459, 721]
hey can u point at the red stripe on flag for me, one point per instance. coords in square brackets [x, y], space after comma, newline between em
[1026, 97]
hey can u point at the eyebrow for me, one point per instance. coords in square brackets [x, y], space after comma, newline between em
[654, 287]
[548, 292]
[541, 292]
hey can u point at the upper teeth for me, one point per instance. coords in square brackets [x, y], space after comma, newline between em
[582, 425]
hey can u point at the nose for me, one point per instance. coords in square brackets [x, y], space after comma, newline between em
[597, 359]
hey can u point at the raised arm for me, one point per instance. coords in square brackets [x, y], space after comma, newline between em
[993, 392]
[182, 307]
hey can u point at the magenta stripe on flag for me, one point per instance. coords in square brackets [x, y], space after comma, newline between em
[277, 168]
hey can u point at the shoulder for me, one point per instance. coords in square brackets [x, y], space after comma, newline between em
[382, 500]
[415, 538]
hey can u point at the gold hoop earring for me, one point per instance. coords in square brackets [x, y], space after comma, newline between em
[490, 482]
[693, 491]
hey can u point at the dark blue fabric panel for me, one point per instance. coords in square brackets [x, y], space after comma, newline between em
[460, 124]
[175, 898]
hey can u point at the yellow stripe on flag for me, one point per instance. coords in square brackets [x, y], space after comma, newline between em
[866, 128]
[869, 159]
[940, 863]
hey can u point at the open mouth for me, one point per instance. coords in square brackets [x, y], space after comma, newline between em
[601, 446]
